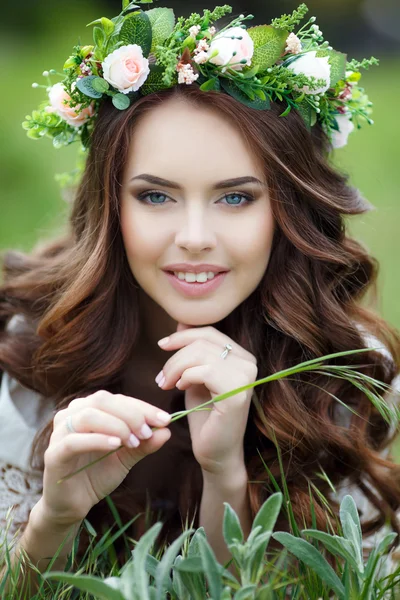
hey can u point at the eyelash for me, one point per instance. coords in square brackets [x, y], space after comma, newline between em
[141, 197]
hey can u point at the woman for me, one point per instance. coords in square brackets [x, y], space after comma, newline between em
[178, 183]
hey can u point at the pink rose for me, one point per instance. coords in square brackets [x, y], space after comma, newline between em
[73, 115]
[226, 46]
[126, 68]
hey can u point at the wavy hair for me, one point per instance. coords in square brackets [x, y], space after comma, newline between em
[78, 291]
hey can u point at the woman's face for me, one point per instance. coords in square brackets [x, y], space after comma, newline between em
[195, 213]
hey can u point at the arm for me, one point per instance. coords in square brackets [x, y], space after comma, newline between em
[40, 540]
[217, 489]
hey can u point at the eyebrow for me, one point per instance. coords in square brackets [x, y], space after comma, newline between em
[227, 183]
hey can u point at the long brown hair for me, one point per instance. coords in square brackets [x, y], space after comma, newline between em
[78, 292]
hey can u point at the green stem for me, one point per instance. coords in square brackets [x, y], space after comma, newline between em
[308, 365]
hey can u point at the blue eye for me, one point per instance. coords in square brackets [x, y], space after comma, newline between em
[158, 197]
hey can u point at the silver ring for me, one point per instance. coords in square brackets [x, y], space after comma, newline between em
[227, 349]
[69, 425]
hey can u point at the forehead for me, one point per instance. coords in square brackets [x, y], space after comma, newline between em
[179, 140]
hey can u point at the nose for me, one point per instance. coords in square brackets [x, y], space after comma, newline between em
[194, 231]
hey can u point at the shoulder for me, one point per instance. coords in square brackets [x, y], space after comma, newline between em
[22, 413]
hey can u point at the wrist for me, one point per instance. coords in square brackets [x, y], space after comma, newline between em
[229, 477]
[42, 519]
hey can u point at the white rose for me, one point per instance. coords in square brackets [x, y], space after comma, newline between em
[126, 68]
[339, 138]
[226, 46]
[74, 116]
[312, 66]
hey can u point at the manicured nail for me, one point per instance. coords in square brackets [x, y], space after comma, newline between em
[163, 417]
[161, 382]
[159, 377]
[133, 441]
[146, 432]
[163, 342]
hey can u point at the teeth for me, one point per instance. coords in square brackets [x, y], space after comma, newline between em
[194, 277]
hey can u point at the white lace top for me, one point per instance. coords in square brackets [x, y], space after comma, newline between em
[23, 411]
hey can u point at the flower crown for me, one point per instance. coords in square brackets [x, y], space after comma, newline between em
[141, 51]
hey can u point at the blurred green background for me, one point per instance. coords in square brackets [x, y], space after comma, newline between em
[39, 36]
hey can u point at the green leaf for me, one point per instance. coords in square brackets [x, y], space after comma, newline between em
[350, 520]
[100, 85]
[121, 101]
[286, 111]
[246, 593]
[335, 544]
[310, 556]
[177, 583]
[308, 113]
[268, 513]
[231, 88]
[85, 86]
[194, 547]
[108, 25]
[86, 583]
[211, 568]
[210, 84]
[162, 22]
[99, 37]
[163, 580]
[269, 45]
[231, 528]
[154, 81]
[136, 573]
[191, 564]
[337, 61]
[136, 29]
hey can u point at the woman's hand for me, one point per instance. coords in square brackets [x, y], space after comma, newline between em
[217, 434]
[96, 418]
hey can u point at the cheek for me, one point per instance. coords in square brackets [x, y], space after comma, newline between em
[139, 237]
[253, 242]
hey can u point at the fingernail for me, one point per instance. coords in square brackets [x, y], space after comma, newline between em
[146, 432]
[163, 417]
[159, 377]
[163, 342]
[161, 382]
[133, 441]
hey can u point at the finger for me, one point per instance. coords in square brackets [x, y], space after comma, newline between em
[134, 412]
[215, 380]
[184, 337]
[93, 420]
[201, 352]
[76, 444]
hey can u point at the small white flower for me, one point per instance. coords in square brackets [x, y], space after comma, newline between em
[193, 31]
[313, 66]
[202, 46]
[293, 44]
[212, 30]
[201, 58]
[186, 74]
[339, 138]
